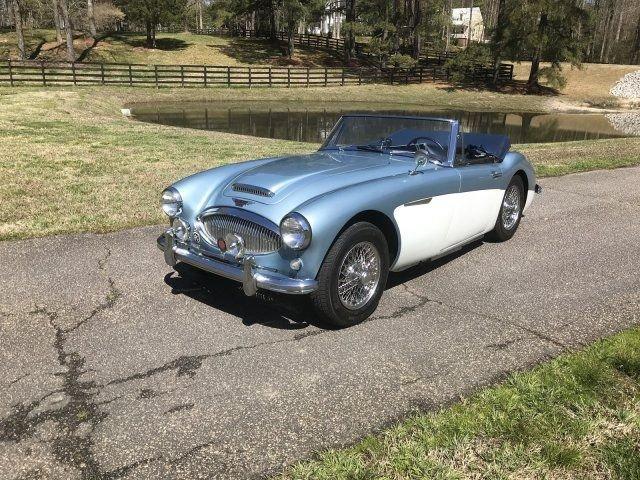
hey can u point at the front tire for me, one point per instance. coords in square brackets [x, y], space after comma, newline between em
[510, 211]
[352, 276]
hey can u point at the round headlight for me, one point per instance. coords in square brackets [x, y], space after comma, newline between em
[295, 231]
[180, 229]
[171, 202]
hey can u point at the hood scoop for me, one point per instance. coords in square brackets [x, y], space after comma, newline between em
[252, 190]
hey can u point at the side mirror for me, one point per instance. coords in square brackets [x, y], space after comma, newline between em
[421, 158]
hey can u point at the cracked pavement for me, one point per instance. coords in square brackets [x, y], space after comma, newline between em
[116, 366]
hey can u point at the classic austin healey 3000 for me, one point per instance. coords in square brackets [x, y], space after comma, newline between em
[383, 193]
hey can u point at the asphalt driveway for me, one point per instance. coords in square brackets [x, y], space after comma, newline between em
[114, 366]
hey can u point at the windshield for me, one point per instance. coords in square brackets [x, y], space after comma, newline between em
[386, 134]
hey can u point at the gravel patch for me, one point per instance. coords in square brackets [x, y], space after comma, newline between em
[628, 123]
[628, 86]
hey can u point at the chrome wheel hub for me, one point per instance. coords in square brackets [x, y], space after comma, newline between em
[359, 275]
[511, 207]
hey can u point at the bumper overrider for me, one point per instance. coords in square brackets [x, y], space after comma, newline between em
[244, 272]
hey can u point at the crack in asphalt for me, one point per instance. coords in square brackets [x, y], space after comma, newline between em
[407, 309]
[76, 412]
[494, 318]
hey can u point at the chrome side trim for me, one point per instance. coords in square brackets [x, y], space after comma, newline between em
[422, 201]
[245, 273]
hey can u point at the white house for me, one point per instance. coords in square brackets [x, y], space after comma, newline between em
[467, 25]
[331, 20]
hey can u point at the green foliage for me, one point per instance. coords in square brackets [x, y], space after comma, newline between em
[150, 13]
[463, 63]
[542, 30]
[399, 60]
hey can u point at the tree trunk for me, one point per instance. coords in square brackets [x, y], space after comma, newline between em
[200, 15]
[498, 37]
[56, 21]
[17, 20]
[64, 11]
[635, 50]
[350, 39]
[470, 23]
[417, 19]
[449, 9]
[290, 43]
[147, 27]
[91, 18]
[534, 73]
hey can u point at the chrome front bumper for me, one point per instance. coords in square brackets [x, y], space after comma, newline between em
[245, 273]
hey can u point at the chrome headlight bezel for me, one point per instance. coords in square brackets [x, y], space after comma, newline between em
[295, 231]
[171, 202]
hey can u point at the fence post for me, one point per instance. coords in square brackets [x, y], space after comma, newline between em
[130, 76]
[308, 77]
[44, 78]
[342, 77]
[10, 73]
[421, 67]
[155, 74]
[289, 77]
[249, 77]
[182, 75]
[325, 76]
[228, 76]
[205, 79]
[269, 76]
[102, 72]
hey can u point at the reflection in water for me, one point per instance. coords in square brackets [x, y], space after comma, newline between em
[313, 124]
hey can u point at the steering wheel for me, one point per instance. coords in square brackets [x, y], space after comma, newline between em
[414, 141]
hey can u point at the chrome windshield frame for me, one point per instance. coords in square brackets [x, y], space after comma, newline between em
[454, 134]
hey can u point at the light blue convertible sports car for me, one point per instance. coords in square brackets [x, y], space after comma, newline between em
[383, 193]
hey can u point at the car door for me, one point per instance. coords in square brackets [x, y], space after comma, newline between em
[425, 218]
[478, 203]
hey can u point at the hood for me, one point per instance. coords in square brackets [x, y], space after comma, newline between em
[314, 174]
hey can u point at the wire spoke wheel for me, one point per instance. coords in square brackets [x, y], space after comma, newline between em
[359, 275]
[511, 207]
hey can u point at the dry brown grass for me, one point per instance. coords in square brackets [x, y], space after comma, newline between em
[591, 84]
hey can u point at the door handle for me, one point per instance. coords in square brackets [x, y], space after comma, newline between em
[496, 174]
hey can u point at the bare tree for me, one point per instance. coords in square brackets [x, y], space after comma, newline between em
[64, 12]
[56, 20]
[17, 20]
[91, 18]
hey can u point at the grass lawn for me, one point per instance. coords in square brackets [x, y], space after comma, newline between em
[70, 162]
[172, 48]
[576, 417]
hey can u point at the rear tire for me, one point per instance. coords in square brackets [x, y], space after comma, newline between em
[352, 276]
[510, 211]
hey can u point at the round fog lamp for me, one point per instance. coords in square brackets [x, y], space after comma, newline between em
[180, 229]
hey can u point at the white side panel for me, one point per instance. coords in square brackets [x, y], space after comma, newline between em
[447, 220]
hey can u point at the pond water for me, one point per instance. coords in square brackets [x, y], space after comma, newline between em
[311, 122]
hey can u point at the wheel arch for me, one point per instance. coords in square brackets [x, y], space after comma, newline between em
[525, 182]
[383, 223]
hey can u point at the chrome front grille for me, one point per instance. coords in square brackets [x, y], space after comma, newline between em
[257, 238]
[252, 190]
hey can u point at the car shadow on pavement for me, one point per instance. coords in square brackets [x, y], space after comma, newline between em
[286, 312]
